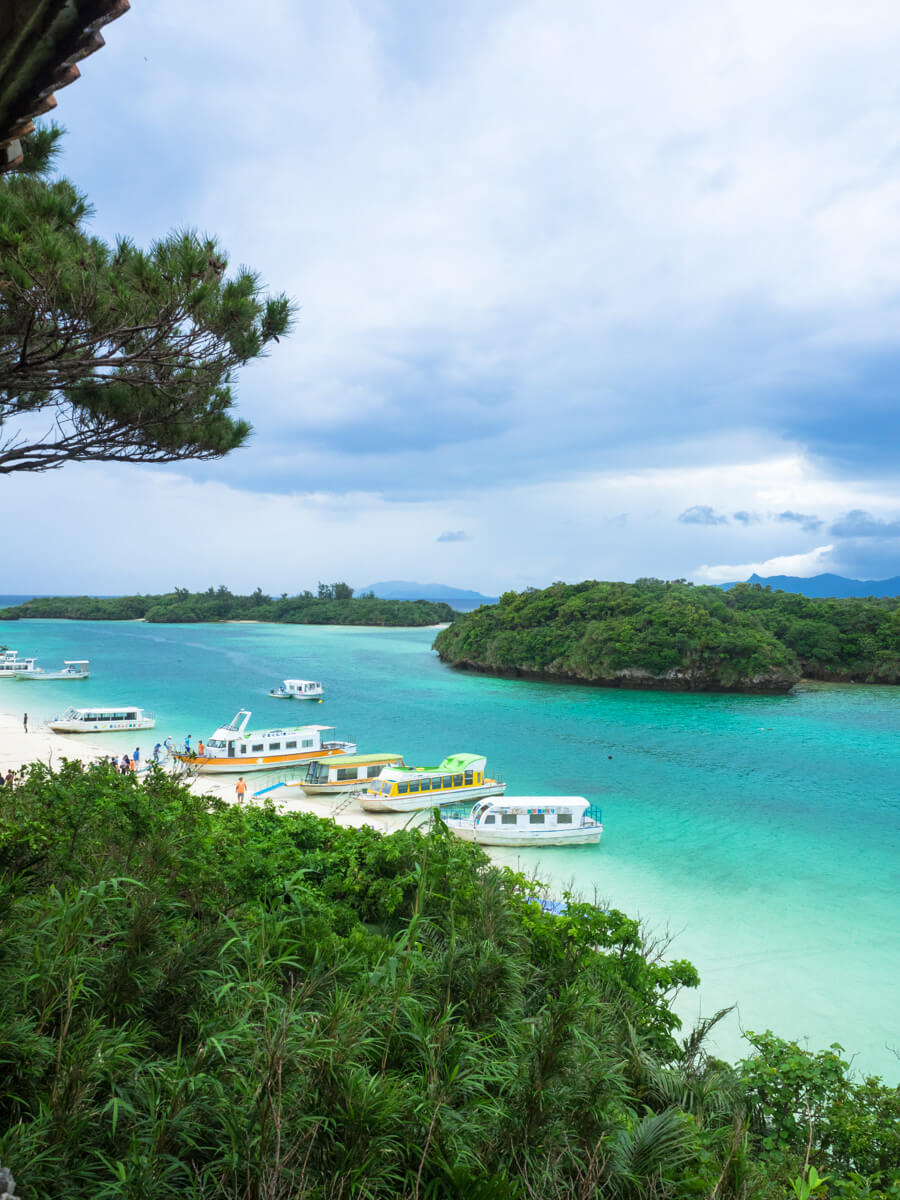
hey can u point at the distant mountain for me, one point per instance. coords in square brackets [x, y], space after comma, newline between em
[827, 585]
[405, 589]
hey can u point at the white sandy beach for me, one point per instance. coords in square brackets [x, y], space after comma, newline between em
[42, 745]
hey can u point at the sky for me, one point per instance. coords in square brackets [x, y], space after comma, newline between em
[585, 291]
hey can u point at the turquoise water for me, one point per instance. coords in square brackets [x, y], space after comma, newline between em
[763, 832]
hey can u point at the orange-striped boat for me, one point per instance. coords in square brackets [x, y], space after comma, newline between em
[234, 748]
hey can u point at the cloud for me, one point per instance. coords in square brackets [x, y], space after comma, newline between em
[813, 562]
[701, 514]
[453, 535]
[746, 518]
[861, 524]
[809, 524]
[466, 276]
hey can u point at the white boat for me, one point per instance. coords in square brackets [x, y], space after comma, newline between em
[13, 667]
[458, 779]
[297, 689]
[529, 821]
[342, 773]
[102, 719]
[235, 748]
[76, 668]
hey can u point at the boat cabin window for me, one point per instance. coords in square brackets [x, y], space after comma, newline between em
[414, 785]
[274, 745]
[243, 749]
[469, 777]
[290, 745]
[307, 743]
[373, 772]
[346, 773]
[508, 819]
[490, 820]
[402, 788]
[564, 818]
[258, 746]
[536, 819]
[426, 785]
[457, 780]
[448, 781]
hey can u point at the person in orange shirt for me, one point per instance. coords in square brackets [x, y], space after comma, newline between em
[201, 749]
[241, 788]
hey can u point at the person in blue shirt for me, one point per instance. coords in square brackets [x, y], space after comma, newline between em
[136, 757]
[188, 749]
[157, 750]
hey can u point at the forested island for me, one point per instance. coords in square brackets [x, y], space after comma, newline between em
[202, 999]
[678, 636]
[332, 604]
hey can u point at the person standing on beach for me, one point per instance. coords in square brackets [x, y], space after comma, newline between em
[136, 758]
[25, 721]
[241, 788]
[157, 750]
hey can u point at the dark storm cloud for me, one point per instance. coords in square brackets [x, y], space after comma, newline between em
[701, 514]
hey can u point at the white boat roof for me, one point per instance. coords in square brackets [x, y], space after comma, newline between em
[298, 682]
[229, 732]
[91, 708]
[517, 803]
[75, 662]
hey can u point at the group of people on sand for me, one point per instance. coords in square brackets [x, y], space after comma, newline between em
[126, 765]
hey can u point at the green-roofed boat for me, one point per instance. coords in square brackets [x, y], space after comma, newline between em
[344, 772]
[460, 778]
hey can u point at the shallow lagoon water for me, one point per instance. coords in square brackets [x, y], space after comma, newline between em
[764, 832]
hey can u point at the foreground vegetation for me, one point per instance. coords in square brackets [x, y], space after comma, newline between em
[676, 635]
[202, 1000]
[334, 604]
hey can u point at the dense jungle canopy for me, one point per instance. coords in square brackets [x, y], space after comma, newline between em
[677, 635]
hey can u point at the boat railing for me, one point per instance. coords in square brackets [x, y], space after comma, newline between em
[593, 813]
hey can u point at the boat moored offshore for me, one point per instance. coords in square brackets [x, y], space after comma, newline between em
[75, 668]
[297, 689]
[459, 778]
[13, 667]
[102, 719]
[234, 748]
[529, 821]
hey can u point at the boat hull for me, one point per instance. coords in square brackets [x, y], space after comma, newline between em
[423, 800]
[56, 675]
[99, 726]
[262, 762]
[581, 836]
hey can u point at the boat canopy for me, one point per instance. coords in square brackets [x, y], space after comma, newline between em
[359, 760]
[536, 804]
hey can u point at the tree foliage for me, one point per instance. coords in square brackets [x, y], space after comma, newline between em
[335, 604]
[656, 634]
[112, 353]
[207, 1000]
